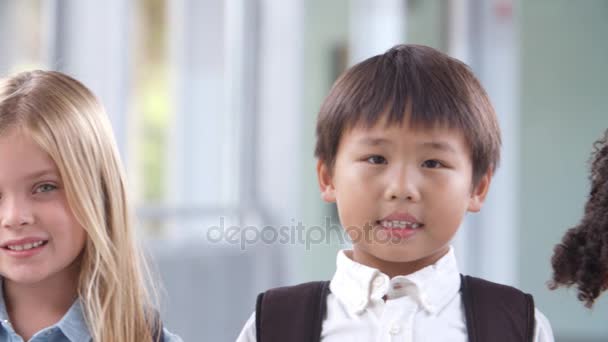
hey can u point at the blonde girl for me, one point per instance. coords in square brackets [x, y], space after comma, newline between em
[69, 265]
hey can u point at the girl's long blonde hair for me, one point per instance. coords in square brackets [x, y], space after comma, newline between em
[70, 124]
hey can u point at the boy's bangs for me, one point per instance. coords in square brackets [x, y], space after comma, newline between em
[398, 95]
[419, 86]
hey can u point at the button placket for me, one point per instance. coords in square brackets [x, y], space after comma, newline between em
[394, 328]
[399, 318]
[392, 319]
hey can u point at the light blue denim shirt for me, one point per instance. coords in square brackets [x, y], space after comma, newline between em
[71, 328]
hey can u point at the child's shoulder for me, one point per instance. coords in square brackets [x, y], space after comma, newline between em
[295, 293]
[289, 309]
[492, 307]
[482, 288]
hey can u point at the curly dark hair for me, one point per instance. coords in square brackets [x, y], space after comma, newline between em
[581, 259]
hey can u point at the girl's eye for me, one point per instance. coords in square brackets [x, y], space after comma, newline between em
[432, 164]
[376, 160]
[45, 188]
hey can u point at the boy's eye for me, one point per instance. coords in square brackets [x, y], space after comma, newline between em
[376, 160]
[45, 188]
[432, 164]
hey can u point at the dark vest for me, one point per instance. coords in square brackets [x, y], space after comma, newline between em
[493, 312]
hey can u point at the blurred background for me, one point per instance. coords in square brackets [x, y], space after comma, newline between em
[213, 103]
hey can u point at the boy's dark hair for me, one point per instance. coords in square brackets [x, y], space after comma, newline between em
[435, 88]
[581, 258]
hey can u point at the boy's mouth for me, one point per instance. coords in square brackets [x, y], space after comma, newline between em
[400, 220]
[393, 224]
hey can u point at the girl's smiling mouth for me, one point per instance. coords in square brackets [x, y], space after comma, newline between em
[24, 247]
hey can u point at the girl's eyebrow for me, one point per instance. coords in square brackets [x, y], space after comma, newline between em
[41, 173]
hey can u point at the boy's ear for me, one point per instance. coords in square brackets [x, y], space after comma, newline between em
[326, 185]
[479, 193]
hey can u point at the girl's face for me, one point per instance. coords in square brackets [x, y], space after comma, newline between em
[40, 239]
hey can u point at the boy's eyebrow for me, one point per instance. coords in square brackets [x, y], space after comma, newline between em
[439, 145]
[373, 141]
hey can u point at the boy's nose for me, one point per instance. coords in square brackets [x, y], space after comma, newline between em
[15, 213]
[402, 186]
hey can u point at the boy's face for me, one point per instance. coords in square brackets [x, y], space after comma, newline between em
[401, 193]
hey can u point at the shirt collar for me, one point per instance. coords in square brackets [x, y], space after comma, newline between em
[3, 312]
[433, 287]
[73, 324]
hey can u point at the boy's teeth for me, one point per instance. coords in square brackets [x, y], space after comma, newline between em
[25, 246]
[399, 224]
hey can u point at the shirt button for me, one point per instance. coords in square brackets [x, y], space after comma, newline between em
[395, 329]
[378, 281]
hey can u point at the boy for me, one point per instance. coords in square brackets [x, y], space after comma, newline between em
[407, 143]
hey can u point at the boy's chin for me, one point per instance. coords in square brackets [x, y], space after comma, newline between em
[398, 256]
[405, 254]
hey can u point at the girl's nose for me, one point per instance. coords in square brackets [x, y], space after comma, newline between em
[15, 213]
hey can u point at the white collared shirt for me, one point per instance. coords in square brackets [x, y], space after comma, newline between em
[422, 306]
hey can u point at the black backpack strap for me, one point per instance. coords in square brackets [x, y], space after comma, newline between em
[293, 313]
[496, 312]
